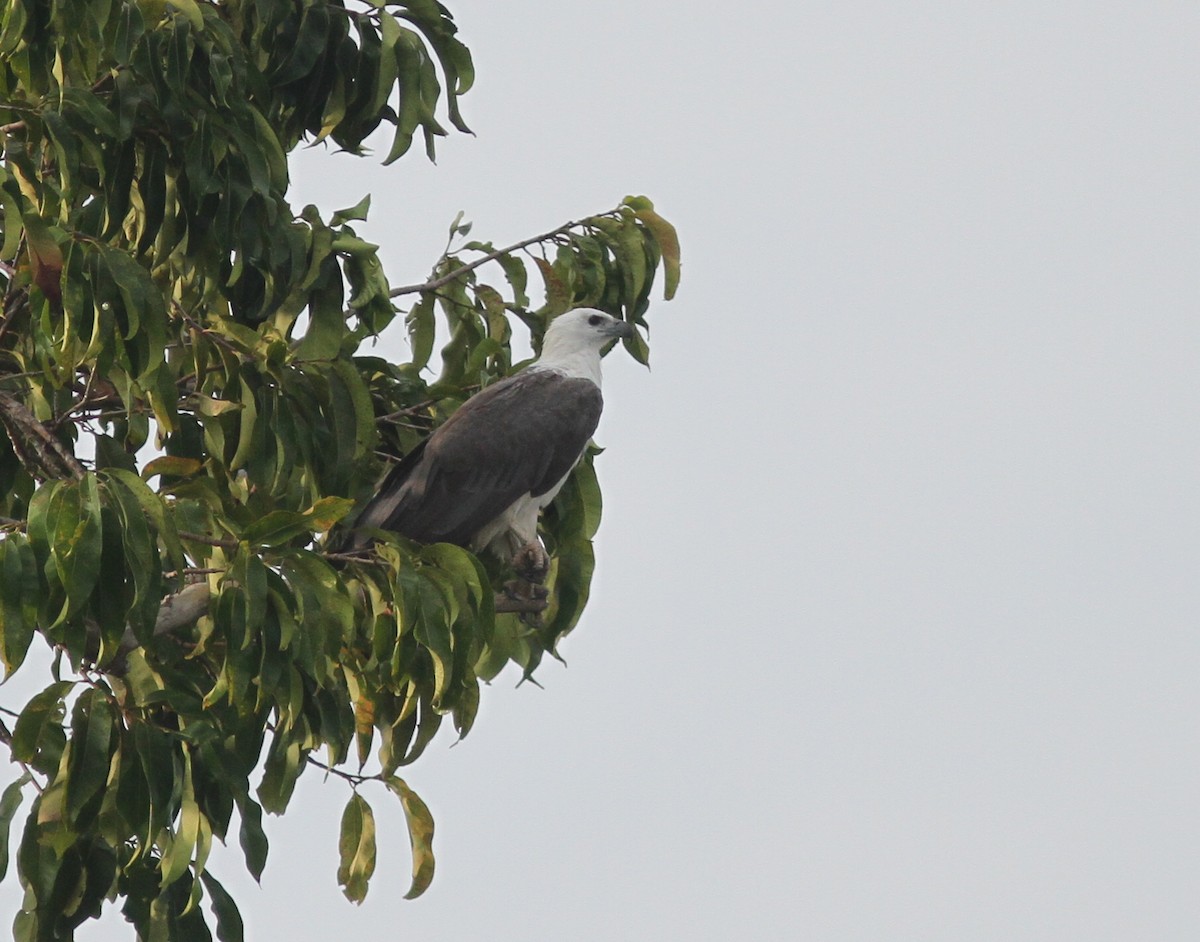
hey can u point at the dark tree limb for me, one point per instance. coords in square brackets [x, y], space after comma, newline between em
[178, 611]
[40, 453]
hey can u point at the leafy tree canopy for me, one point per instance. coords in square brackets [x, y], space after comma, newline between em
[187, 411]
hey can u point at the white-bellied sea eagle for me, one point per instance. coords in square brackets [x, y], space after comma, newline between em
[482, 478]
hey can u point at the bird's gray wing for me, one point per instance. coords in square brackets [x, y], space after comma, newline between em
[519, 436]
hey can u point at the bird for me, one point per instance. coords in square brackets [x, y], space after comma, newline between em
[482, 478]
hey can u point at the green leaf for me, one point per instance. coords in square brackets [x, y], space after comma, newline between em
[191, 10]
[14, 225]
[91, 740]
[420, 835]
[360, 399]
[45, 710]
[352, 245]
[77, 540]
[327, 511]
[253, 576]
[463, 566]
[632, 258]
[45, 257]
[356, 849]
[668, 242]
[152, 507]
[19, 590]
[558, 295]
[277, 528]
[136, 561]
[179, 852]
[284, 764]
[517, 276]
[432, 628]
[10, 801]
[229, 920]
[422, 326]
[358, 211]
[252, 837]
[246, 427]
[171, 466]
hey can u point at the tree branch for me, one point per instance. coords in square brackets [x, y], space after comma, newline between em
[352, 778]
[207, 540]
[41, 454]
[435, 283]
[182, 609]
[179, 610]
[507, 605]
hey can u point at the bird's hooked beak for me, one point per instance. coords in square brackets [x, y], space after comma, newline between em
[619, 329]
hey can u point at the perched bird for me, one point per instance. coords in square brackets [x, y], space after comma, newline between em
[482, 478]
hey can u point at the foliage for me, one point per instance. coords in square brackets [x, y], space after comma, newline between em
[161, 295]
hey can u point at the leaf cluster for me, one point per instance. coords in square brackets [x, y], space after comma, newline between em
[158, 292]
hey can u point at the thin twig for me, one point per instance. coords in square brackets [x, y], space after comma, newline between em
[363, 557]
[195, 572]
[208, 540]
[435, 283]
[407, 411]
[350, 777]
[16, 300]
[82, 404]
[6, 738]
[24, 375]
[419, 407]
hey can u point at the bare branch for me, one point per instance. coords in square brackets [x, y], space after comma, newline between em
[180, 610]
[435, 283]
[207, 540]
[352, 778]
[506, 604]
[83, 403]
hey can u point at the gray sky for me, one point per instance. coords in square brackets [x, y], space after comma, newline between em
[894, 632]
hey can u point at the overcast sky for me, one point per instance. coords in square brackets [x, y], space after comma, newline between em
[894, 635]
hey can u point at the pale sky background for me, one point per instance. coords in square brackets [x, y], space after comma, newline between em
[894, 635]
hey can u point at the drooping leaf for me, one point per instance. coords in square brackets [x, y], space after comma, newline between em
[18, 601]
[10, 801]
[44, 711]
[91, 745]
[356, 848]
[420, 835]
[252, 837]
[230, 927]
[45, 258]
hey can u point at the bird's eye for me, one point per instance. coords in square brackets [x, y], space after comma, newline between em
[595, 320]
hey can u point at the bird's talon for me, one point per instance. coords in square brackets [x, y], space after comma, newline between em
[532, 563]
[513, 587]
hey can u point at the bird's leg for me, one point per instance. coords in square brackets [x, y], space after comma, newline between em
[532, 564]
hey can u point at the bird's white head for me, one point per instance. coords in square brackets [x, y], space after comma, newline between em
[574, 340]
